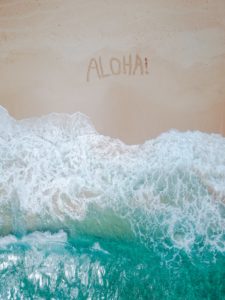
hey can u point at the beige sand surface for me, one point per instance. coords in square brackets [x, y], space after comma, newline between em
[46, 47]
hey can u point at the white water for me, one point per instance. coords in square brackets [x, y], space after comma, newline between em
[57, 172]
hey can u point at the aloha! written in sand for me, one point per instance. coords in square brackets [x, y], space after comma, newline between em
[124, 65]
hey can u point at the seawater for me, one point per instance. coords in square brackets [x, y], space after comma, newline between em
[85, 216]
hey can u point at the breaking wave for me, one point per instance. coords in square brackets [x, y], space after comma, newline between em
[85, 216]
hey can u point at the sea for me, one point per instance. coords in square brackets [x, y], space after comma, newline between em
[85, 216]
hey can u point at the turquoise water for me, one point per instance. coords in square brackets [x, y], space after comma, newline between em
[95, 268]
[84, 216]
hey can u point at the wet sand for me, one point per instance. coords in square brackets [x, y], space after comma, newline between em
[46, 48]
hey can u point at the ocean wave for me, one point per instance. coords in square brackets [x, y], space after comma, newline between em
[85, 216]
[57, 172]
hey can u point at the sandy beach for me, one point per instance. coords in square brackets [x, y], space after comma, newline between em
[84, 215]
[47, 46]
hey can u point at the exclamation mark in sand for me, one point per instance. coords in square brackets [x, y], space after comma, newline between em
[146, 66]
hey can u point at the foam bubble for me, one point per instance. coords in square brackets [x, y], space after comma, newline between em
[57, 172]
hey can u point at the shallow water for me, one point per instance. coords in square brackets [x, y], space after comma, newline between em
[84, 216]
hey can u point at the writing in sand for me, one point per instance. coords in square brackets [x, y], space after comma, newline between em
[126, 65]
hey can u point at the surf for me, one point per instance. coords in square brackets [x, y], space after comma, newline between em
[70, 193]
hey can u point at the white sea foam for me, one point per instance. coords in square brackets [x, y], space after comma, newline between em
[35, 239]
[57, 171]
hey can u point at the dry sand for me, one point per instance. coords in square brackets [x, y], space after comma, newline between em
[46, 47]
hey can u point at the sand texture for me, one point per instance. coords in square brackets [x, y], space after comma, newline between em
[175, 51]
